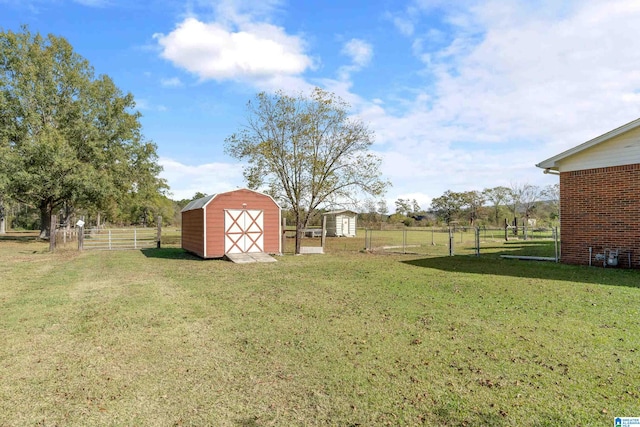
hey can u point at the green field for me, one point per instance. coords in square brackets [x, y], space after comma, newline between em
[349, 338]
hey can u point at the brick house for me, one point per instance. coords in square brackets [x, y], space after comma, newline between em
[600, 199]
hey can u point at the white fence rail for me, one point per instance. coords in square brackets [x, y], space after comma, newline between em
[121, 238]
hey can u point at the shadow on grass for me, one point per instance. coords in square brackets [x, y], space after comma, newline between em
[169, 253]
[521, 248]
[22, 239]
[493, 265]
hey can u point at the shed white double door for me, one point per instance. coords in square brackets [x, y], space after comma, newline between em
[243, 231]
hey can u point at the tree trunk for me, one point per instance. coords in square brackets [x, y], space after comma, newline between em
[68, 212]
[46, 209]
[3, 228]
[298, 235]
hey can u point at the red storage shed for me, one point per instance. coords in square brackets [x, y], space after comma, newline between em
[238, 221]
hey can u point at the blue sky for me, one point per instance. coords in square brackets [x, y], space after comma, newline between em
[462, 95]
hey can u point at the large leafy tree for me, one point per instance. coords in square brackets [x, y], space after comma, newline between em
[307, 152]
[448, 206]
[69, 138]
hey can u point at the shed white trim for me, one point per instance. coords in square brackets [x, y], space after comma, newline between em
[204, 222]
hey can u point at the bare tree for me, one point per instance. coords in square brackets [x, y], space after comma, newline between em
[552, 194]
[497, 196]
[530, 196]
[307, 152]
[473, 201]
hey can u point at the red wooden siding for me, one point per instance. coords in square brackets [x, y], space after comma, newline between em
[193, 231]
[600, 208]
[193, 223]
[241, 199]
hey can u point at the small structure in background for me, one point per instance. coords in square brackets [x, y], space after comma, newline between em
[600, 199]
[341, 223]
[240, 224]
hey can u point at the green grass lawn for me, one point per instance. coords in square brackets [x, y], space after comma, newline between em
[158, 337]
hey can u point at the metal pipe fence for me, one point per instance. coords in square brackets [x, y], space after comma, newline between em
[119, 238]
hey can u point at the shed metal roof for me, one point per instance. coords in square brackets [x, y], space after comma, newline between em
[552, 162]
[339, 212]
[202, 202]
[198, 203]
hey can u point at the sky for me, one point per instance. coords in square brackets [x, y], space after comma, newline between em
[462, 95]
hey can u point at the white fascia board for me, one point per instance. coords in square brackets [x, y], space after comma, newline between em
[552, 162]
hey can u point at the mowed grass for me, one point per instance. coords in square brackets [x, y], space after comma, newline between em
[348, 338]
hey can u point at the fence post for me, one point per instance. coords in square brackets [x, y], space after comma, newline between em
[477, 241]
[159, 236]
[109, 239]
[80, 237]
[555, 239]
[404, 240]
[506, 230]
[324, 231]
[450, 242]
[284, 235]
[52, 233]
[371, 239]
[135, 238]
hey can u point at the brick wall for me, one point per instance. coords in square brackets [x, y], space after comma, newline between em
[600, 208]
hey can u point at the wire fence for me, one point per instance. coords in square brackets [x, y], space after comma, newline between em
[438, 241]
[429, 242]
[435, 241]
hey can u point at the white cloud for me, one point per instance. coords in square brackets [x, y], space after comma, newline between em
[505, 85]
[93, 3]
[145, 104]
[509, 85]
[209, 178]
[360, 54]
[404, 25]
[245, 51]
[531, 76]
[359, 51]
[171, 82]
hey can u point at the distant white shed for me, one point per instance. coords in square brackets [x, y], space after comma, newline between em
[341, 223]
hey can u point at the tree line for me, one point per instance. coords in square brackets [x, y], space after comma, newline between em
[489, 207]
[70, 141]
